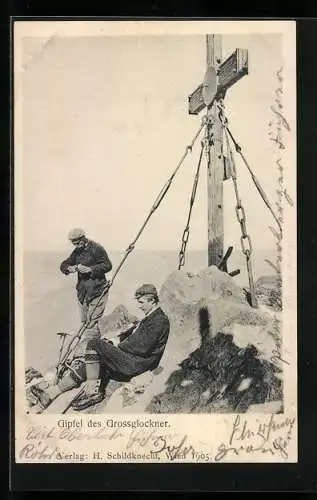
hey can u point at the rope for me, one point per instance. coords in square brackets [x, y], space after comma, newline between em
[191, 204]
[129, 249]
[258, 186]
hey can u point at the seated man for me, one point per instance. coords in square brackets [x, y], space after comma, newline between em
[138, 350]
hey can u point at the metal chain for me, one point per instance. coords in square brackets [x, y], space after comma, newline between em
[245, 240]
[191, 204]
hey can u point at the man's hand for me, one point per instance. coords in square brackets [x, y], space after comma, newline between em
[72, 269]
[83, 269]
[112, 336]
[115, 341]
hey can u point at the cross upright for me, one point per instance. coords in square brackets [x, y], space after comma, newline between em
[219, 77]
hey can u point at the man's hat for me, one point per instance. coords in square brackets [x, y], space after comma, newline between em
[146, 289]
[76, 234]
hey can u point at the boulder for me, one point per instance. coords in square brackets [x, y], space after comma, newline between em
[183, 293]
[269, 291]
[200, 305]
[220, 376]
[219, 355]
[117, 320]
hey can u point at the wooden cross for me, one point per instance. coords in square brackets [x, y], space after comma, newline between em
[219, 77]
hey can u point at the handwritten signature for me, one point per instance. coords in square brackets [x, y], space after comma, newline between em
[242, 434]
[173, 451]
[279, 446]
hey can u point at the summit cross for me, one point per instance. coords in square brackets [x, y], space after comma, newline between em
[219, 77]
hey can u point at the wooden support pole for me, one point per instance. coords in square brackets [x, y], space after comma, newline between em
[215, 166]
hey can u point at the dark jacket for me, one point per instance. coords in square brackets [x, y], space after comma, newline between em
[95, 256]
[147, 342]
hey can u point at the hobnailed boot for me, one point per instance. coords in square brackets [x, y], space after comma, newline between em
[92, 394]
[45, 395]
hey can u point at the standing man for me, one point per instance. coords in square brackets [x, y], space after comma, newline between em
[91, 262]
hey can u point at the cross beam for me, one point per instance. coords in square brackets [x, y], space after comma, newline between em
[219, 77]
[230, 71]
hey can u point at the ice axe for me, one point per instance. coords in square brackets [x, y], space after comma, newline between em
[62, 337]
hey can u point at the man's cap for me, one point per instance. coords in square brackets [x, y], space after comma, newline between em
[76, 234]
[146, 289]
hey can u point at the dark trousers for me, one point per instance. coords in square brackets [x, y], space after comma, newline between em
[114, 362]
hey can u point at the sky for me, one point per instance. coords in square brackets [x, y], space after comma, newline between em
[104, 123]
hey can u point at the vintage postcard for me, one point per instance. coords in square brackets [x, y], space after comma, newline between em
[155, 241]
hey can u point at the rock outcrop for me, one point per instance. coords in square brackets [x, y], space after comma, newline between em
[269, 291]
[219, 377]
[202, 305]
[117, 320]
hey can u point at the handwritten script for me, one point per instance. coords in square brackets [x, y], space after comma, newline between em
[46, 443]
[277, 126]
[266, 437]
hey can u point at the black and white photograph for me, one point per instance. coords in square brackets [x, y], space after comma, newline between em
[155, 241]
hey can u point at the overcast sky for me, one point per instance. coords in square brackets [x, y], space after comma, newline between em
[105, 121]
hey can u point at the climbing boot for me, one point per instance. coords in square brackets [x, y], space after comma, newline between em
[91, 395]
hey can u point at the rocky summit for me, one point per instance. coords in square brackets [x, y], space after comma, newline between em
[221, 355]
